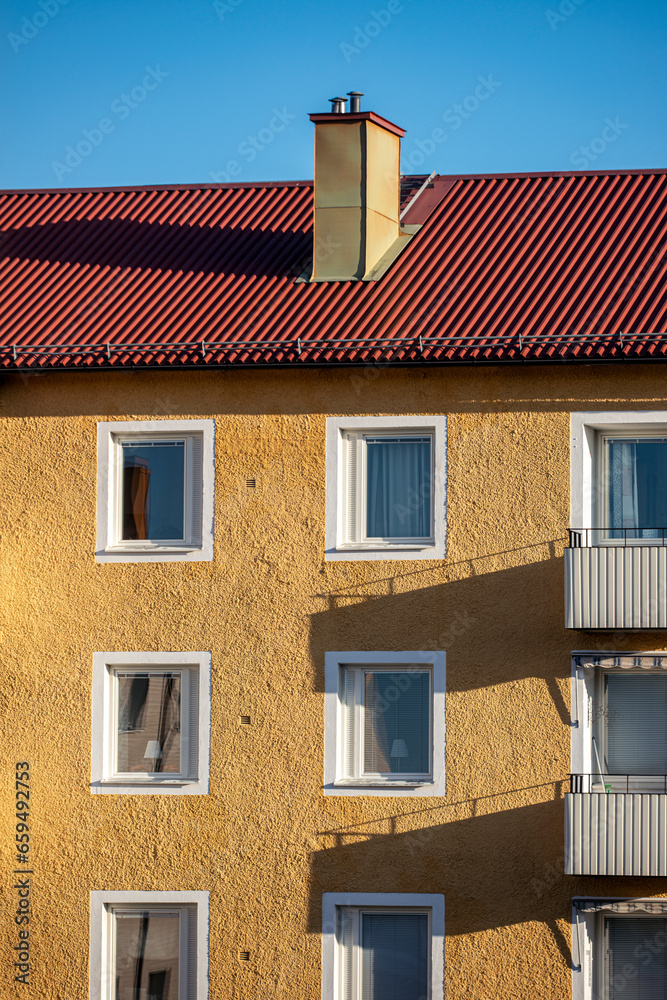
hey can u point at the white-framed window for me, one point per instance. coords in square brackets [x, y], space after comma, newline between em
[384, 723]
[619, 949]
[386, 487]
[155, 490]
[619, 706]
[149, 945]
[377, 945]
[619, 477]
[151, 723]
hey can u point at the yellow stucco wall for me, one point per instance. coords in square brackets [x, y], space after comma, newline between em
[266, 842]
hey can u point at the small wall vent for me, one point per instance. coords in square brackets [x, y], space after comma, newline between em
[244, 720]
[244, 956]
[251, 483]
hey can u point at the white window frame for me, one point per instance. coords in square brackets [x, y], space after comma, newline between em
[586, 685]
[198, 543]
[340, 431]
[102, 963]
[588, 944]
[335, 780]
[587, 433]
[104, 780]
[433, 903]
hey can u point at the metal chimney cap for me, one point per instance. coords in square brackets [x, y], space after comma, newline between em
[338, 105]
[355, 103]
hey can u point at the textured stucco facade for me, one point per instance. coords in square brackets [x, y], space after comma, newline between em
[265, 842]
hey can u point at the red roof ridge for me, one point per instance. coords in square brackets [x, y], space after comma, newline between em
[203, 186]
[214, 186]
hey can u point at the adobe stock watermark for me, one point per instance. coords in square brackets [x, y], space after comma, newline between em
[122, 107]
[453, 117]
[585, 155]
[31, 26]
[223, 7]
[253, 145]
[377, 22]
[565, 9]
[415, 498]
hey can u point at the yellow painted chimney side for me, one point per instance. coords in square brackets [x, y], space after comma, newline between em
[357, 196]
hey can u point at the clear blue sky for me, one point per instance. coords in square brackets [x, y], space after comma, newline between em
[190, 91]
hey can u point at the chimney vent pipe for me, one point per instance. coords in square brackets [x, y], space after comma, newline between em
[338, 105]
[355, 100]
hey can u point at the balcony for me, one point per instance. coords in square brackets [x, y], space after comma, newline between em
[616, 578]
[616, 825]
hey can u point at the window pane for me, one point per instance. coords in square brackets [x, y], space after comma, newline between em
[153, 489]
[398, 487]
[394, 956]
[147, 956]
[636, 730]
[397, 722]
[149, 723]
[637, 968]
[637, 487]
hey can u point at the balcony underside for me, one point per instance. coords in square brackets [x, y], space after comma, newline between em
[619, 587]
[615, 834]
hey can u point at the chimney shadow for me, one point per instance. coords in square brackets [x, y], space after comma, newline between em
[163, 246]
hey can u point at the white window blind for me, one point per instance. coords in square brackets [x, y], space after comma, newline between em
[352, 499]
[388, 487]
[398, 487]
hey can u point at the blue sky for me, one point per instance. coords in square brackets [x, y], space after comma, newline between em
[129, 92]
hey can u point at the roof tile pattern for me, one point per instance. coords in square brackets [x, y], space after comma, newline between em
[505, 268]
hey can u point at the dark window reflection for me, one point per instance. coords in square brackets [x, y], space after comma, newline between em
[149, 723]
[147, 955]
[153, 490]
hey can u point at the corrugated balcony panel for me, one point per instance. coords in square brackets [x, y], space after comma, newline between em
[616, 587]
[615, 834]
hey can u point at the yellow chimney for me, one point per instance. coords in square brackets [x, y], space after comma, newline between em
[357, 194]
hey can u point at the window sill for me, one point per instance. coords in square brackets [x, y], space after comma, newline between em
[143, 782]
[384, 546]
[123, 549]
[378, 783]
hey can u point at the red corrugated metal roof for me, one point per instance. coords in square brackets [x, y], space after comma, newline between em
[515, 267]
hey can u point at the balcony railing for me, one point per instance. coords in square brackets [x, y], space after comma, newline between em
[586, 538]
[616, 578]
[618, 783]
[616, 825]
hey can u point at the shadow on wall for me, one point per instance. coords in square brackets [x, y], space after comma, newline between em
[493, 625]
[490, 868]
